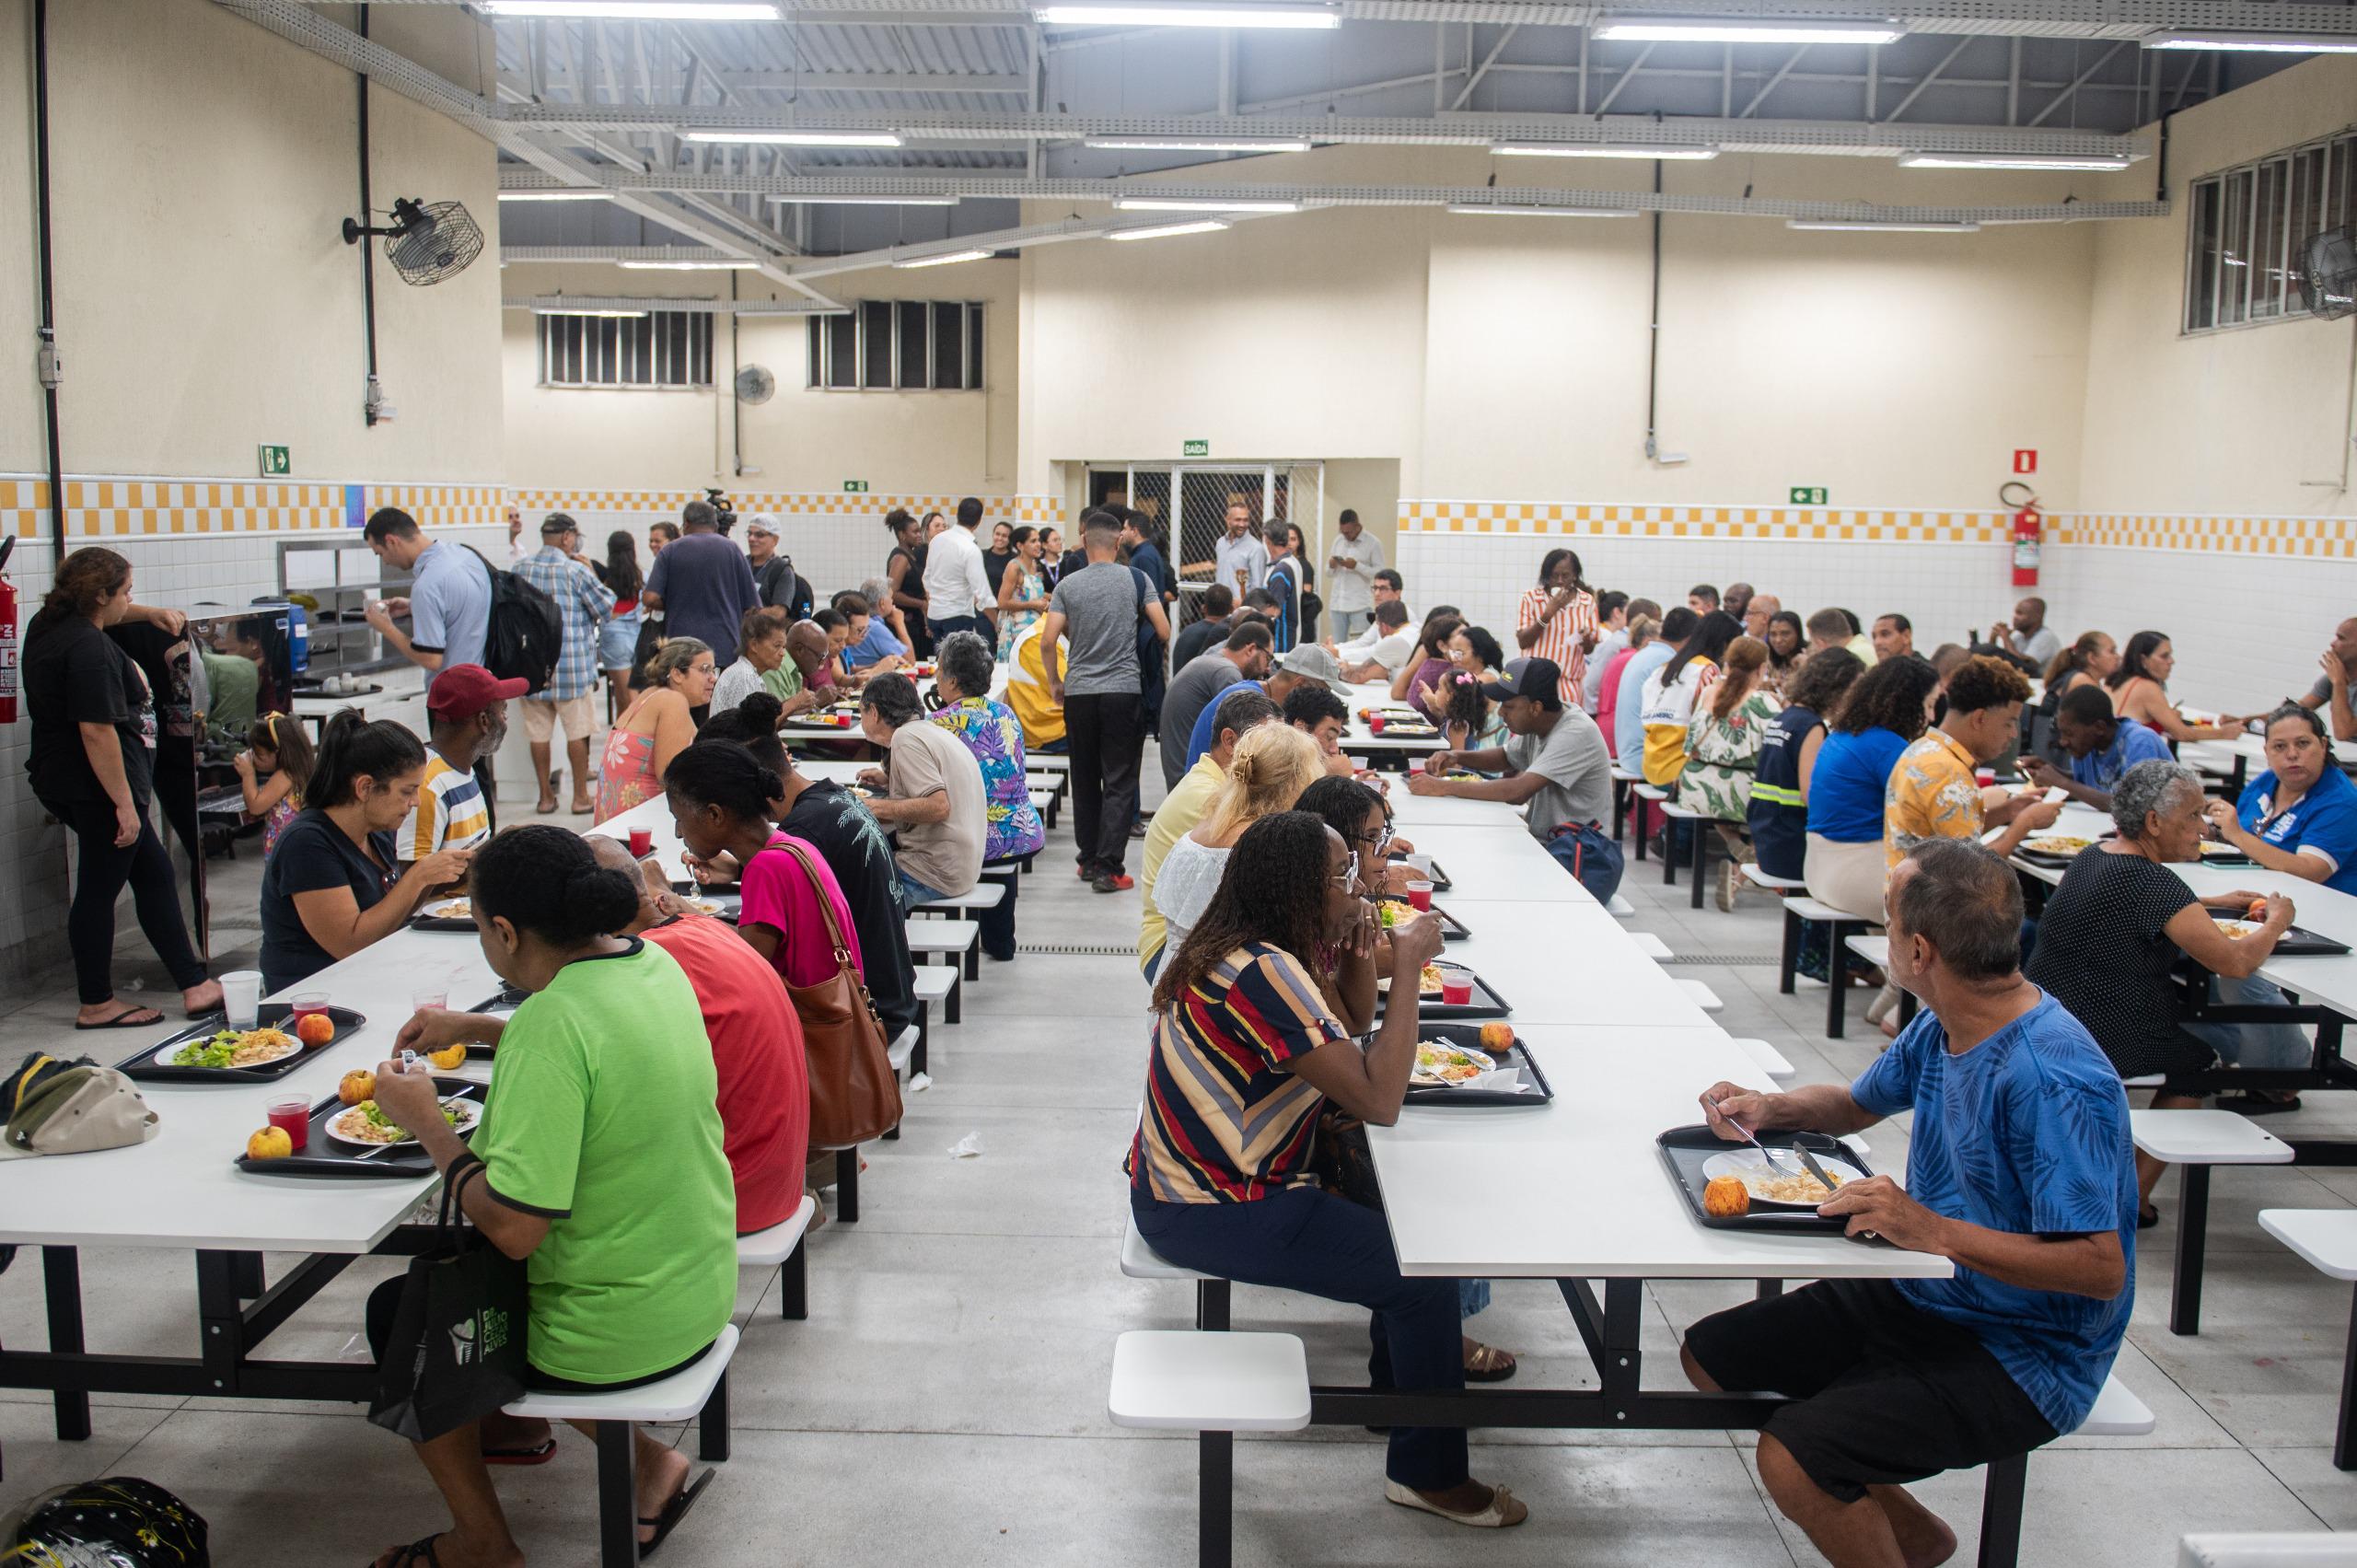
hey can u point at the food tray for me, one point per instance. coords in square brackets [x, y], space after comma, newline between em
[729, 905]
[1451, 928]
[441, 922]
[143, 1065]
[688, 888]
[322, 1156]
[2298, 941]
[506, 999]
[1683, 1150]
[1468, 1037]
[1486, 1004]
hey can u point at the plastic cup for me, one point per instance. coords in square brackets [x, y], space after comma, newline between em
[242, 997]
[641, 842]
[1456, 986]
[428, 1001]
[1420, 894]
[1984, 777]
[1415, 765]
[302, 1006]
[291, 1114]
[1375, 724]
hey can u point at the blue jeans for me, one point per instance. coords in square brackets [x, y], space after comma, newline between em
[943, 629]
[1349, 623]
[2263, 1047]
[1309, 1240]
[918, 892]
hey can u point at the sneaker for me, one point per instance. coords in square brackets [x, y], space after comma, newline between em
[1114, 882]
[1726, 887]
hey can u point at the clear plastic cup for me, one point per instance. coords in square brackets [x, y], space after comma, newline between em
[1420, 894]
[241, 998]
[291, 1114]
[428, 1001]
[1456, 985]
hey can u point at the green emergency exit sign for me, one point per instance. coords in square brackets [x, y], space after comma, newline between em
[1195, 449]
[1808, 495]
[854, 487]
[275, 461]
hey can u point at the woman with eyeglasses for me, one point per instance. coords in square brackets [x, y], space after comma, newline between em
[1247, 1055]
[1272, 765]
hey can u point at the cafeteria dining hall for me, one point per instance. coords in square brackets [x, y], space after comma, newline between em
[1181, 783]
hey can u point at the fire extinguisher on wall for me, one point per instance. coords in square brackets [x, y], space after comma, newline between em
[2028, 532]
[7, 636]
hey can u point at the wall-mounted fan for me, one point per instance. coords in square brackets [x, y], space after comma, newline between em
[755, 384]
[426, 243]
[2328, 272]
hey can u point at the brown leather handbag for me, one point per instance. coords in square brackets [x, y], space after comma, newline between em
[854, 1094]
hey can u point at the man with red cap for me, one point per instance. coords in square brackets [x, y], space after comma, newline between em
[467, 706]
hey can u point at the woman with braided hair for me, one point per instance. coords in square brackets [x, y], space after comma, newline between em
[1247, 1055]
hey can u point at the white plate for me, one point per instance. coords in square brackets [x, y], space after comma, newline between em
[1482, 1059]
[469, 1114]
[2238, 927]
[2219, 851]
[165, 1058]
[1750, 1166]
[449, 909]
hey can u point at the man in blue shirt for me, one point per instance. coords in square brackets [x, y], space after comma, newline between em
[703, 584]
[2101, 745]
[1308, 663]
[872, 649]
[2020, 1172]
[2301, 815]
[1628, 736]
[448, 604]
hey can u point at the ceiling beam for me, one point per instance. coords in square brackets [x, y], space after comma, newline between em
[877, 82]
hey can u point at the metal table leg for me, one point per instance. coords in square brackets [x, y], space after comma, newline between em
[60, 1276]
[2193, 1235]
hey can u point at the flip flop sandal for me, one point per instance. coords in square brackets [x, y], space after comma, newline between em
[415, 1553]
[2147, 1217]
[663, 1524]
[540, 1455]
[1491, 1516]
[1489, 1365]
[129, 1020]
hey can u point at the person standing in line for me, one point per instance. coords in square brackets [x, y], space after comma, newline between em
[618, 642]
[703, 585]
[775, 579]
[1100, 693]
[1556, 621]
[448, 604]
[1239, 558]
[958, 597]
[584, 606]
[904, 571]
[1351, 567]
[1284, 580]
[1022, 590]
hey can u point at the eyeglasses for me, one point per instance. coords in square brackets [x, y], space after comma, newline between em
[1347, 879]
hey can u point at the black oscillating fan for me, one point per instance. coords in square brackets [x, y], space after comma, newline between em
[426, 244]
[2328, 272]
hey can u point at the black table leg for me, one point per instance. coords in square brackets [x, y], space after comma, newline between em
[617, 1495]
[1210, 1305]
[2000, 1511]
[1767, 1290]
[712, 1423]
[60, 1276]
[1788, 962]
[847, 1185]
[2344, 1435]
[2192, 1233]
[246, 1269]
[1637, 814]
[1701, 854]
[1837, 976]
[1215, 1509]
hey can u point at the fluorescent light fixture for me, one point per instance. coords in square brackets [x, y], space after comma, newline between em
[945, 259]
[556, 195]
[798, 138]
[1661, 151]
[1532, 210]
[691, 267]
[1877, 225]
[865, 200]
[1200, 205]
[1177, 14]
[639, 10]
[2255, 42]
[569, 310]
[1730, 29]
[1198, 143]
[1168, 230]
[2091, 162]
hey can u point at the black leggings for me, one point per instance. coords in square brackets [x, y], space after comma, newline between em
[90, 926]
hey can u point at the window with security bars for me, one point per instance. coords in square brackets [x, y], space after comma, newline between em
[898, 345]
[2247, 226]
[656, 348]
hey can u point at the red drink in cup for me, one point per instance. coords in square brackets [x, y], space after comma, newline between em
[641, 842]
[1375, 723]
[1984, 777]
[291, 1114]
[1456, 986]
[301, 1007]
[1419, 895]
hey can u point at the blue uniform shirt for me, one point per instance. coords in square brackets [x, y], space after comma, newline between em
[2322, 822]
[2025, 1133]
[2135, 743]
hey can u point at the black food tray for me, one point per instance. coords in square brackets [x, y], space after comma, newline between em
[2299, 942]
[1683, 1150]
[1468, 1037]
[687, 889]
[2051, 862]
[506, 999]
[144, 1067]
[731, 904]
[324, 1157]
[1451, 928]
[442, 923]
[1486, 1004]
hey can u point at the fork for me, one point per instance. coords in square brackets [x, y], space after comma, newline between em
[1766, 1152]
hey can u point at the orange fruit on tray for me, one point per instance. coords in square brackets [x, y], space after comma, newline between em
[270, 1144]
[357, 1085]
[1725, 1198]
[450, 1058]
[315, 1029]
[1497, 1036]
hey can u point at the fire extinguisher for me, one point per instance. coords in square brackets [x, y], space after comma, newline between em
[8, 637]
[2029, 531]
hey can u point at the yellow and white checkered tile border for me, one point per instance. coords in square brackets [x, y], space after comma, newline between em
[443, 506]
[24, 502]
[1797, 524]
[2326, 538]
[99, 508]
[859, 506]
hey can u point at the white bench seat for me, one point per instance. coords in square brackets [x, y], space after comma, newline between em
[1768, 1059]
[2326, 1239]
[1214, 1386]
[2272, 1548]
[1619, 908]
[2194, 1141]
[1651, 945]
[981, 896]
[1701, 995]
[782, 1245]
[2118, 1412]
[1769, 880]
[1141, 1261]
[960, 940]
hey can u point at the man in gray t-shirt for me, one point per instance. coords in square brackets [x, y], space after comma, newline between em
[1556, 765]
[1098, 608]
[1245, 655]
[2330, 693]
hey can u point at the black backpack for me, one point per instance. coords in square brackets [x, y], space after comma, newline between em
[526, 632]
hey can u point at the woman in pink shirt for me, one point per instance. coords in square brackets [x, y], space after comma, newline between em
[722, 802]
[1642, 629]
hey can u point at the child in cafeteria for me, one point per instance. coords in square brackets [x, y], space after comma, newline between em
[275, 745]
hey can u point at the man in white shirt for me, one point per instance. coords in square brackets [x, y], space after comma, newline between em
[956, 584]
[2029, 635]
[1239, 558]
[1395, 644]
[1350, 576]
[1388, 589]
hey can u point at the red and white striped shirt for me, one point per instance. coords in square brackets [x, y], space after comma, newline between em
[1562, 639]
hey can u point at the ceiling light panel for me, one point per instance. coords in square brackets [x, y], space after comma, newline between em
[1533, 210]
[2090, 163]
[2255, 42]
[947, 259]
[1197, 143]
[1168, 230]
[1174, 14]
[691, 267]
[865, 200]
[556, 196]
[798, 138]
[1731, 29]
[1869, 226]
[1200, 205]
[1661, 152]
[638, 10]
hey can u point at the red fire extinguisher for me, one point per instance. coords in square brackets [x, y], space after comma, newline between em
[7, 638]
[2029, 531]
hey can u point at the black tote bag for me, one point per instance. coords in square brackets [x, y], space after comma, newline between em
[456, 1350]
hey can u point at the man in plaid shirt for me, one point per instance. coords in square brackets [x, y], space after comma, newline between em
[586, 605]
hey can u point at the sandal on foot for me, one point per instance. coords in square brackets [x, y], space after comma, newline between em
[1487, 1364]
[1502, 1511]
[663, 1524]
[2147, 1217]
[131, 1019]
[416, 1555]
[539, 1454]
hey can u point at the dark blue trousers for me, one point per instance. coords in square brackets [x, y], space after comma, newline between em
[1307, 1240]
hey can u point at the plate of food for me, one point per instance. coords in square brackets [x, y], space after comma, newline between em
[1440, 1065]
[2297, 942]
[364, 1126]
[215, 1053]
[232, 1048]
[1731, 1187]
[2212, 849]
[1779, 1185]
[446, 914]
[1391, 911]
[2056, 846]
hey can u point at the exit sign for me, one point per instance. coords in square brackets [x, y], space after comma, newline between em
[854, 487]
[275, 461]
[1195, 449]
[1808, 495]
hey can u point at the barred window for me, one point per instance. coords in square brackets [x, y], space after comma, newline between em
[655, 348]
[2248, 227]
[898, 345]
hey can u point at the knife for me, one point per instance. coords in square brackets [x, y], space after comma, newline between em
[1816, 1170]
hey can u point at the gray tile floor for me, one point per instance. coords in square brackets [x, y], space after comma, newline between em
[945, 1399]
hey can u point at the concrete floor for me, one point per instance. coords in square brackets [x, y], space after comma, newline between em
[945, 1399]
